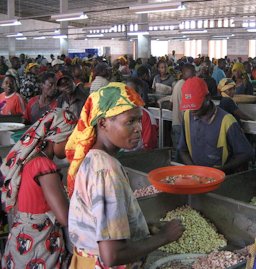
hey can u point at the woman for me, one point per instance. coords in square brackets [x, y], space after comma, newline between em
[163, 81]
[46, 101]
[29, 84]
[239, 75]
[227, 89]
[149, 133]
[106, 224]
[33, 189]
[14, 104]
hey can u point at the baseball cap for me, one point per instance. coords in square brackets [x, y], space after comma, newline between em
[193, 94]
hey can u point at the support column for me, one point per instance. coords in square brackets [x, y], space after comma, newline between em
[11, 40]
[144, 46]
[144, 41]
[64, 28]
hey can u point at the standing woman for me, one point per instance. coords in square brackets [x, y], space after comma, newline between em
[163, 80]
[106, 225]
[33, 190]
[29, 86]
[14, 104]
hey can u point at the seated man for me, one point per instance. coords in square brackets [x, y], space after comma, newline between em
[71, 97]
[210, 136]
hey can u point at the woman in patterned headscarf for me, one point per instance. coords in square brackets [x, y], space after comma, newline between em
[226, 88]
[106, 224]
[239, 75]
[32, 189]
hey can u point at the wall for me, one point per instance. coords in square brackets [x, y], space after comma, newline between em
[238, 47]
[117, 47]
[178, 46]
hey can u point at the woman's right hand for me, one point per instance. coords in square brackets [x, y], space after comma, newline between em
[173, 230]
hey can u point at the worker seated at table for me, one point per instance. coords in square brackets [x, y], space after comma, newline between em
[227, 89]
[210, 136]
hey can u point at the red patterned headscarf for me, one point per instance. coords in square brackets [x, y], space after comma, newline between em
[54, 126]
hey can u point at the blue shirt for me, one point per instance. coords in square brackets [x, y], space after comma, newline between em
[204, 138]
[218, 74]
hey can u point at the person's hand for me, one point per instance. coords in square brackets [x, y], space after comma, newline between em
[173, 230]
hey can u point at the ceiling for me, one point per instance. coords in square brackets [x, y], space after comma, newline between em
[107, 13]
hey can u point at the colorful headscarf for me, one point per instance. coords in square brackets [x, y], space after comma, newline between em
[224, 85]
[54, 126]
[238, 67]
[108, 101]
[29, 66]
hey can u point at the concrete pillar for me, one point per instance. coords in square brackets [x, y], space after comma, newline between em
[205, 47]
[11, 40]
[144, 41]
[64, 28]
[144, 49]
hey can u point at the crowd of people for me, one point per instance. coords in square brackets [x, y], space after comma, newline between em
[87, 111]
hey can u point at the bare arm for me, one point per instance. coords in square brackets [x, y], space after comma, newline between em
[119, 252]
[55, 196]
[235, 162]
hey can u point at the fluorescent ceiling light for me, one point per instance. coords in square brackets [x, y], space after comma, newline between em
[15, 35]
[96, 35]
[39, 37]
[223, 36]
[157, 7]
[10, 23]
[60, 36]
[194, 32]
[138, 33]
[21, 38]
[70, 16]
[251, 30]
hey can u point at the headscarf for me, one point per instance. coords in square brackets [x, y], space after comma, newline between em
[29, 66]
[122, 58]
[54, 126]
[108, 101]
[224, 85]
[238, 67]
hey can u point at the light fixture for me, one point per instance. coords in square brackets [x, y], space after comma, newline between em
[194, 32]
[69, 16]
[60, 36]
[10, 23]
[223, 36]
[39, 37]
[253, 30]
[96, 35]
[15, 35]
[157, 7]
[138, 33]
[21, 38]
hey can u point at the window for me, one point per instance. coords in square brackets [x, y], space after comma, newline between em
[217, 48]
[159, 48]
[252, 48]
[193, 48]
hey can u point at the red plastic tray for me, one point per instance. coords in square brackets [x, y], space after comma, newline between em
[186, 185]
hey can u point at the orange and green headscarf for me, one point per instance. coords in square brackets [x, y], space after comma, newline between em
[107, 102]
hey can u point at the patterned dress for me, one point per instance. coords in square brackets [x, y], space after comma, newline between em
[35, 240]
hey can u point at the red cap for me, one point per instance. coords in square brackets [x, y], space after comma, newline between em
[193, 93]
